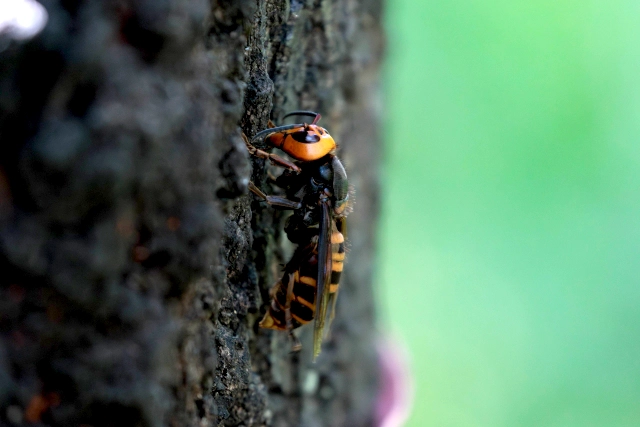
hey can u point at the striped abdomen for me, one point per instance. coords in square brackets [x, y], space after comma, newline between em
[301, 279]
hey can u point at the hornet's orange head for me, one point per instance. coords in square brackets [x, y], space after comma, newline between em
[305, 143]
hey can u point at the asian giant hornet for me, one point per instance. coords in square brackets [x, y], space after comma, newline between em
[317, 191]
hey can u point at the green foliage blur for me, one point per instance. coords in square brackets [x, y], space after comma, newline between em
[510, 238]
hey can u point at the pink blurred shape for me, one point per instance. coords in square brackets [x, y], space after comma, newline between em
[395, 396]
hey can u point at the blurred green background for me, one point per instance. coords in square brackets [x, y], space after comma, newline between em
[510, 242]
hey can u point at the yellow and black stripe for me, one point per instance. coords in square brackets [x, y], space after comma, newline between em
[337, 259]
[302, 305]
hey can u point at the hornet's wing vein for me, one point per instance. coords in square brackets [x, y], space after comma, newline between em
[324, 277]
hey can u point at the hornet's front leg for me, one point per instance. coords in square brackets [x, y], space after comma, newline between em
[280, 202]
[273, 158]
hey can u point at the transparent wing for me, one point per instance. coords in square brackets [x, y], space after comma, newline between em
[324, 276]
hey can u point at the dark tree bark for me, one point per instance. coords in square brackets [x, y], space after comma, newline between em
[134, 267]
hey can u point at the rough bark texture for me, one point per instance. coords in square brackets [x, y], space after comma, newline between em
[134, 267]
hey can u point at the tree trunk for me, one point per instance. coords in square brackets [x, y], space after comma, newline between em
[134, 266]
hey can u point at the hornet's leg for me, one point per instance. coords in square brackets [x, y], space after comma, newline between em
[295, 346]
[273, 158]
[274, 200]
[271, 177]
